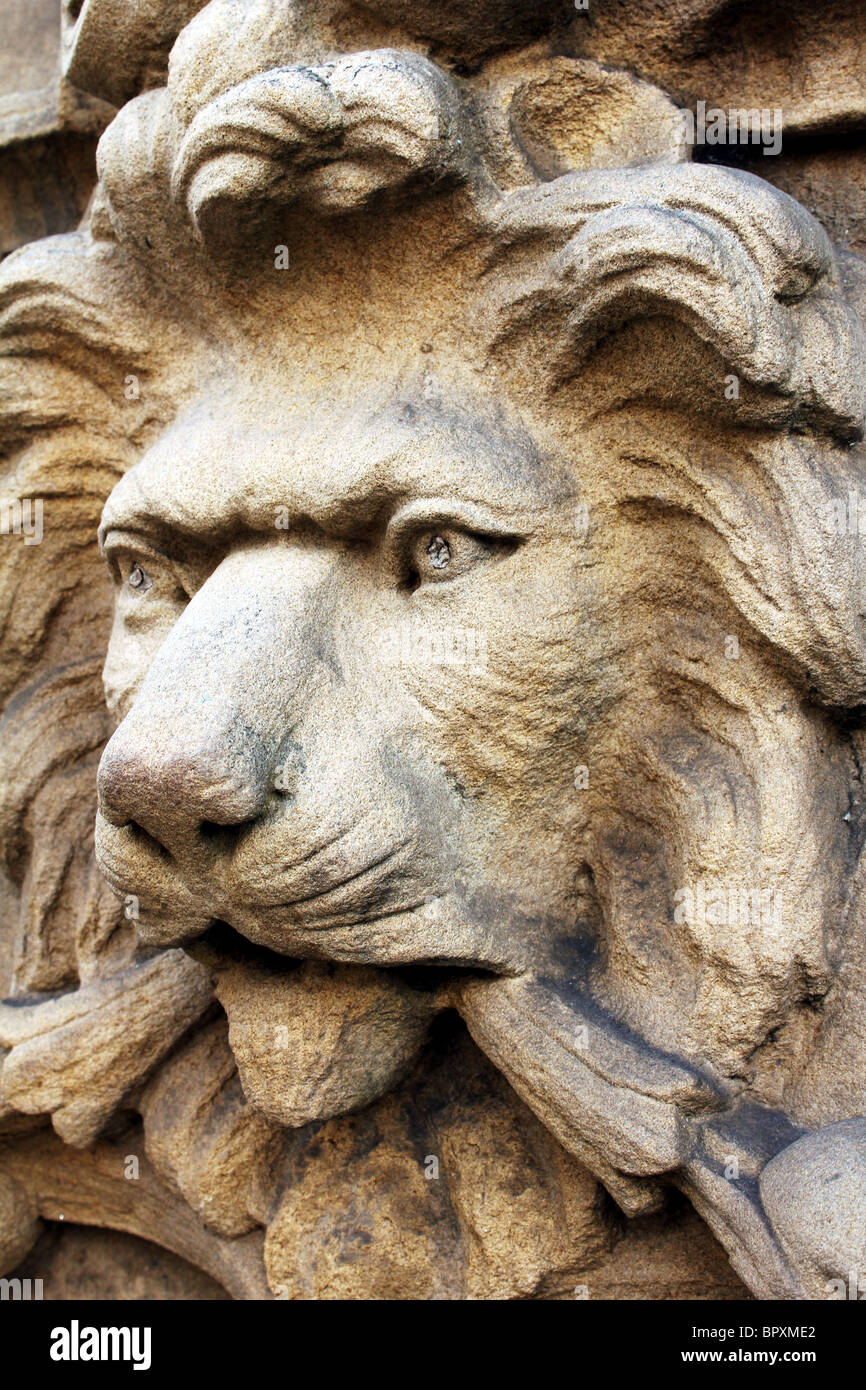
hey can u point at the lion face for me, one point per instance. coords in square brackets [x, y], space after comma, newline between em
[344, 660]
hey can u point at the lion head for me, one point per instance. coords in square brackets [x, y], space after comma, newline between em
[478, 620]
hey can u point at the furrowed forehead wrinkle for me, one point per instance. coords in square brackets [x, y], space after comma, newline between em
[196, 477]
[210, 473]
[126, 506]
[409, 449]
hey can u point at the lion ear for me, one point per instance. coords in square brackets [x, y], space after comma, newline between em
[738, 263]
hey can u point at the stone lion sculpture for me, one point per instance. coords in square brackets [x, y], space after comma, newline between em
[485, 643]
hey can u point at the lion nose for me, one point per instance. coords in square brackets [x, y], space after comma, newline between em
[174, 793]
[200, 745]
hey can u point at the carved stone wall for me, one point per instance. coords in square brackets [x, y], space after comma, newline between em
[432, 602]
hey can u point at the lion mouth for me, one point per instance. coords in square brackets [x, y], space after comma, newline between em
[431, 931]
[262, 889]
[390, 908]
[311, 1039]
[221, 947]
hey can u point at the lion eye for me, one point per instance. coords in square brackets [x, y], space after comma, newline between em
[436, 556]
[138, 579]
[439, 552]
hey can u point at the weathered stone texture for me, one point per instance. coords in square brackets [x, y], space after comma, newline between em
[432, 505]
